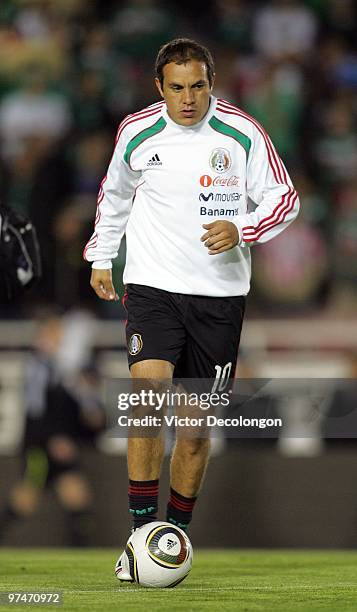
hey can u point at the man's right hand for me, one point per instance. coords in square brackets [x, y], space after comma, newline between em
[101, 282]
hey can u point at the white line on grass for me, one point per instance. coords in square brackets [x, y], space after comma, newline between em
[307, 587]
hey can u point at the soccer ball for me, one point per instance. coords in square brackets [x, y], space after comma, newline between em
[160, 555]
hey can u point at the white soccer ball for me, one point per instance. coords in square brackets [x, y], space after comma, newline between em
[159, 554]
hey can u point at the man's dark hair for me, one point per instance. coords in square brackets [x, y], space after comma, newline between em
[181, 51]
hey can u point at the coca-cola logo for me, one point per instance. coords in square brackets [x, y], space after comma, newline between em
[228, 181]
[219, 181]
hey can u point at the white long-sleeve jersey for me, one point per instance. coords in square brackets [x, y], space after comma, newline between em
[166, 180]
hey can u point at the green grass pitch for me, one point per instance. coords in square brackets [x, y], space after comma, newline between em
[234, 580]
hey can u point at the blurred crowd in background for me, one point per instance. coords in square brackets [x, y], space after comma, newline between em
[70, 70]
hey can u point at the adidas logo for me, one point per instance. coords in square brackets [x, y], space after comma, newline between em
[154, 161]
[170, 544]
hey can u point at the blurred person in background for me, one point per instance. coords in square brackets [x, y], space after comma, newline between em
[344, 251]
[89, 101]
[138, 27]
[335, 68]
[336, 16]
[233, 20]
[336, 145]
[63, 412]
[96, 71]
[141, 25]
[296, 283]
[73, 220]
[33, 110]
[284, 30]
[105, 82]
[28, 181]
[276, 100]
[34, 123]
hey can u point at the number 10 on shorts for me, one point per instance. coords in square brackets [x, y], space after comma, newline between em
[222, 377]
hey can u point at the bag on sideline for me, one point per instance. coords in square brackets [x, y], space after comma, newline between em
[20, 261]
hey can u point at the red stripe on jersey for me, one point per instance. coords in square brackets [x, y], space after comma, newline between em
[282, 215]
[255, 232]
[101, 190]
[132, 120]
[282, 207]
[148, 109]
[89, 245]
[154, 109]
[92, 239]
[136, 117]
[271, 150]
[253, 228]
[100, 198]
[145, 110]
[280, 220]
[259, 127]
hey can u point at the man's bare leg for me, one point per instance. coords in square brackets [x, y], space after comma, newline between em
[145, 455]
[188, 465]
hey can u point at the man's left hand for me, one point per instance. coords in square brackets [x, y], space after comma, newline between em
[221, 236]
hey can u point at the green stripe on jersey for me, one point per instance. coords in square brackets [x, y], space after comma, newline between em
[232, 132]
[144, 135]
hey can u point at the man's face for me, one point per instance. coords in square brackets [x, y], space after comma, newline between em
[186, 91]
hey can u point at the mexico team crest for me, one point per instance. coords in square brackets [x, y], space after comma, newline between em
[220, 160]
[135, 344]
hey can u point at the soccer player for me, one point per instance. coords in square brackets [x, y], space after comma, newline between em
[178, 185]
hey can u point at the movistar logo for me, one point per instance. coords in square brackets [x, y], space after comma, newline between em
[206, 198]
[221, 197]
